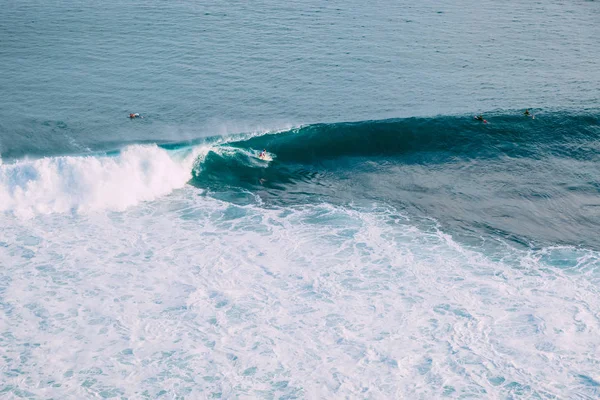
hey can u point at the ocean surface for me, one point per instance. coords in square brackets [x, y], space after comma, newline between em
[391, 246]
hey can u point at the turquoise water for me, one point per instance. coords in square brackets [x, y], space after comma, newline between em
[390, 247]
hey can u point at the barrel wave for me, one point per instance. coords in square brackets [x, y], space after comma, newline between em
[531, 181]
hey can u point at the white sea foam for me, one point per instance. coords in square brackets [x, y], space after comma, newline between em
[60, 184]
[190, 296]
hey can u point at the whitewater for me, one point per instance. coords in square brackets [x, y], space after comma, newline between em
[314, 302]
[216, 289]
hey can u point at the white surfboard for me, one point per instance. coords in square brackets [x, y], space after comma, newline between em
[266, 157]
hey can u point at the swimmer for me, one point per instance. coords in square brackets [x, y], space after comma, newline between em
[136, 115]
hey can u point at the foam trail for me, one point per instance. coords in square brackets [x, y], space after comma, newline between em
[61, 184]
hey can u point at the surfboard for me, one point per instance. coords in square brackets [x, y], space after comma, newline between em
[266, 157]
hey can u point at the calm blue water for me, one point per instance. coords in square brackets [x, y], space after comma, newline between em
[390, 246]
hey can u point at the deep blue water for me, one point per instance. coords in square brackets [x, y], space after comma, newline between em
[71, 72]
[391, 246]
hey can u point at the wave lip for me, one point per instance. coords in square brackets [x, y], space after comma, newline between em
[87, 183]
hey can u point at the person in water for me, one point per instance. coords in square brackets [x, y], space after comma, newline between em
[480, 118]
[527, 113]
[263, 154]
[132, 116]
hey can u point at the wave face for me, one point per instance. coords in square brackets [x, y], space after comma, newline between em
[532, 181]
[436, 139]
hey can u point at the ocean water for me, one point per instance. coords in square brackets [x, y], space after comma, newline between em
[390, 247]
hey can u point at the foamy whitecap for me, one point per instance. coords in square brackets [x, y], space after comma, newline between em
[84, 183]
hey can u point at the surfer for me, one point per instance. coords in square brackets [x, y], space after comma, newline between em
[480, 118]
[263, 154]
[528, 114]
